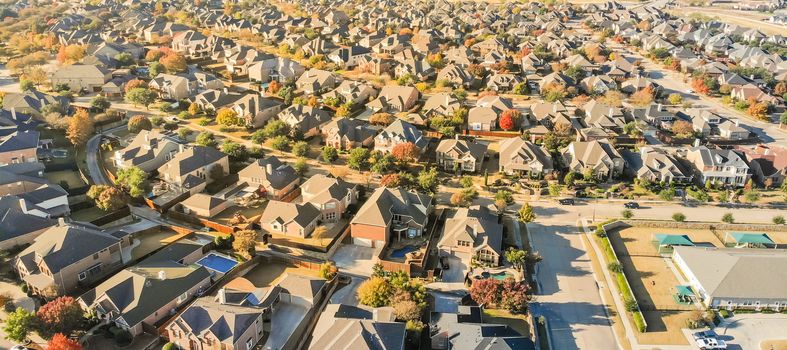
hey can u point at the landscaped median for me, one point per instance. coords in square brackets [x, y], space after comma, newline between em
[620, 277]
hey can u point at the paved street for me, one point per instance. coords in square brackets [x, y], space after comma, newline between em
[746, 331]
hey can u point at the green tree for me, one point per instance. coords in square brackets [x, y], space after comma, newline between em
[26, 85]
[300, 149]
[329, 154]
[555, 190]
[235, 150]
[517, 258]
[428, 180]
[18, 324]
[100, 103]
[155, 68]
[627, 214]
[679, 217]
[141, 96]
[280, 143]
[504, 196]
[300, 166]
[570, 179]
[778, 220]
[728, 218]
[206, 139]
[358, 158]
[107, 198]
[134, 180]
[138, 123]
[275, 128]
[526, 214]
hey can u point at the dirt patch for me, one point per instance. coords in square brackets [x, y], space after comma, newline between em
[774, 344]
[268, 274]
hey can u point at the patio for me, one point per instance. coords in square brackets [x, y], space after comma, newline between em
[406, 249]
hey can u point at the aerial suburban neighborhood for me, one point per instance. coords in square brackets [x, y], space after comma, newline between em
[393, 174]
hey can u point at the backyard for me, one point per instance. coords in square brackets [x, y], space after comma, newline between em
[153, 240]
[653, 280]
[267, 274]
[320, 242]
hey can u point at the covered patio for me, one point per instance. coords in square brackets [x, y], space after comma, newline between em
[665, 242]
[748, 240]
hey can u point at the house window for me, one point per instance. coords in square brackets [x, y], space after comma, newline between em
[82, 275]
[95, 256]
[183, 297]
[330, 216]
[249, 343]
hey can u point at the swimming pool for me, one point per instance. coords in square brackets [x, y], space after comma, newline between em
[500, 276]
[59, 153]
[217, 263]
[401, 252]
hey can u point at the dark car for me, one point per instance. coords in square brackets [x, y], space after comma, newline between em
[444, 263]
[566, 201]
[631, 205]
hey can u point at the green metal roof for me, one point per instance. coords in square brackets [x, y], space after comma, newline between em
[684, 291]
[667, 239]
[751, 238]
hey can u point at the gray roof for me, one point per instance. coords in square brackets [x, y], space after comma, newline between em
[285, 212]
[19, 140]
[476, 224]
[65, 244]
[384, 202]
[465, 331]
[738, 273]
[320, 189]
[226, 322]
[13, 213]
[477, 150]
[403, 130]
[344, 327]
[280, 175]
[191, 159]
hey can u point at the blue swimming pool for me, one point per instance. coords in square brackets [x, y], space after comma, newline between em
[217, 263]
[401, 252]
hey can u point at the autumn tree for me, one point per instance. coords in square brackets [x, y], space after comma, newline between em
[173, 62]
[390, 180]
[71, 53]
[383, 119]
[228, 117]
[758, 110]
[513, 296]
[485, 292]
[134, 180]
[138, 123]
[374, 292]
[154, 55]
[526, 214]
[135, 83]
[61, 315]
[107, 198]
[406, 152]
[80, 128]
[675, 98]
[642, 97]
[244, 242]
[509, 119]
[682, 128]
[612, 98]
[61, 342]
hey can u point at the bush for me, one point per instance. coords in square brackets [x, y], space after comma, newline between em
[639, 322]
[168, 346]
[627, 214]
[724, 313]
[679, 217]
[778, 220]
[123, 337]
[631, 304]
[615, 267]
[728, 218]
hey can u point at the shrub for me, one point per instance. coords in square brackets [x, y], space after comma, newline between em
[679, 217]
[123, 337]
[631, 304]
[328, 270]
[639, 322]
[724, 313]
[728, 218]
[615, 267]
[778, 220]
[627, 214]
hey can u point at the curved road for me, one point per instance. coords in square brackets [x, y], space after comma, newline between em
[96, 170]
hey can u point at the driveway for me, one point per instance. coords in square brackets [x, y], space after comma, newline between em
[568, 294]
[347, 295]
[355, 260]
[96, 170]
[746, 331]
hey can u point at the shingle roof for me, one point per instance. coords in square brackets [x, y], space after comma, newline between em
[384, 202]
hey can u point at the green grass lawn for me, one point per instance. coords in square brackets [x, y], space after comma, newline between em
[516, 322]
[88, 214]
[71, 178]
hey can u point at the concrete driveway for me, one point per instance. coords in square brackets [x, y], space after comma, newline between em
[746, 331]
[347, 295]
[355, 260]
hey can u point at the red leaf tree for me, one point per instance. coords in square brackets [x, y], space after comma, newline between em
[60, 342]
[136, 83]
[485, 291]
[509, 119]
[513, 296]
[61, 315]
[390, 180]
[405, 152]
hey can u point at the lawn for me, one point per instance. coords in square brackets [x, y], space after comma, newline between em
[71, 178]
[516, 322]
[151, 241]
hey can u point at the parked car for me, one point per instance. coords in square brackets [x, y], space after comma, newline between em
[566, 201]
[444, 263]
[631, 205]
[711, 344]
[704, 334]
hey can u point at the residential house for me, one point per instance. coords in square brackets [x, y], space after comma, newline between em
[342, 326]
[394, 99]
[204, 205]
[306, 120]
[719, 166]
[256, 110]
[19, 147]
[138, 297]
[355, 92]
[504, 82]
[81, 77]
[524, 158]
[599, 158]
[194, 168]
[660, 166]
[399, 132]
[488, 109]
[149, 150]
[34, 103]
[460, 155]
[278, 69]
[316, 81]
[291, 219]
[768, 163]
[473, 232]
[466, 329]
[39, 196]
[389, 213]
[332, 196]
[69, 256]
[346, 133]
[732, 130]
[440, 104]
[14, 210]
[349, 57]
[270, 177]
[752, 92]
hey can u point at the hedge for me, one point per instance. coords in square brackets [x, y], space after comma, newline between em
[639, 321]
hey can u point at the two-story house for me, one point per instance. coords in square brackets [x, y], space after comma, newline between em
[398, 132]
[148, 151]
[521, 157]
[460, 155]
[389, 213]
[719, 166]
[473, 232]
[332, 196]
[597, 157]
[270, 177]
[195, 167]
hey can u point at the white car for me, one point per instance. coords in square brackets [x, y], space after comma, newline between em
[689, 91]
[711, 344]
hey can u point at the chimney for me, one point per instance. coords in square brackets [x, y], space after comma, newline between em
[61, 221]
[456, 137]
[180, 147]
[147, 137]
[611, 111]
[554, 108]
[269, 168]
[13, 113]
[737, 122]
[162, 275]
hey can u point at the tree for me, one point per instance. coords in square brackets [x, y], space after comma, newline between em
[80, 128]
[244, 242]
[206, 139]
[504, 196]
[134, 180]
[141, 96]
[390, 180]
[344, 110]
[155, 68]
[228, 117]
[329, 154]
[569, 179]
[328, 269]
[173, 62]
[381, 162]
[516, 257]
[280, 143]
[358, 158]
[135, 84]
[138, 123]
[627, 214]
[758, 110]
[300, 148]
[667, 194]
[405, 152]
[275, 128]
[675, 98]
[428, 180]
[682, 128]
[679, 217]
[18, 324]
[108, 198]
[61, 315]
[100, 103]
[506, 122]
[485, 292]
[235, 151]
[71, 53]
[383, 119]
[728, 218]
[61, 342]
[555, 190]
[463, 197]
[526, 214]
[154, 55]
[26, 85]
[406, 310]
[751, 195]
[374, 292]
[642, 97]
[612, 98]
[513, 296]
[300, 166]
[783, 118]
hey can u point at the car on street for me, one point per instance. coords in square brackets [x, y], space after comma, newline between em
[704, 334]
[566, 201]
[631, 205]
[711, 344]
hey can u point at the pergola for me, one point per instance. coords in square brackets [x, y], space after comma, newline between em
[750, 240]
[668, 241]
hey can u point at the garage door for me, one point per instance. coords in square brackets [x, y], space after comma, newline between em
[363, 242]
